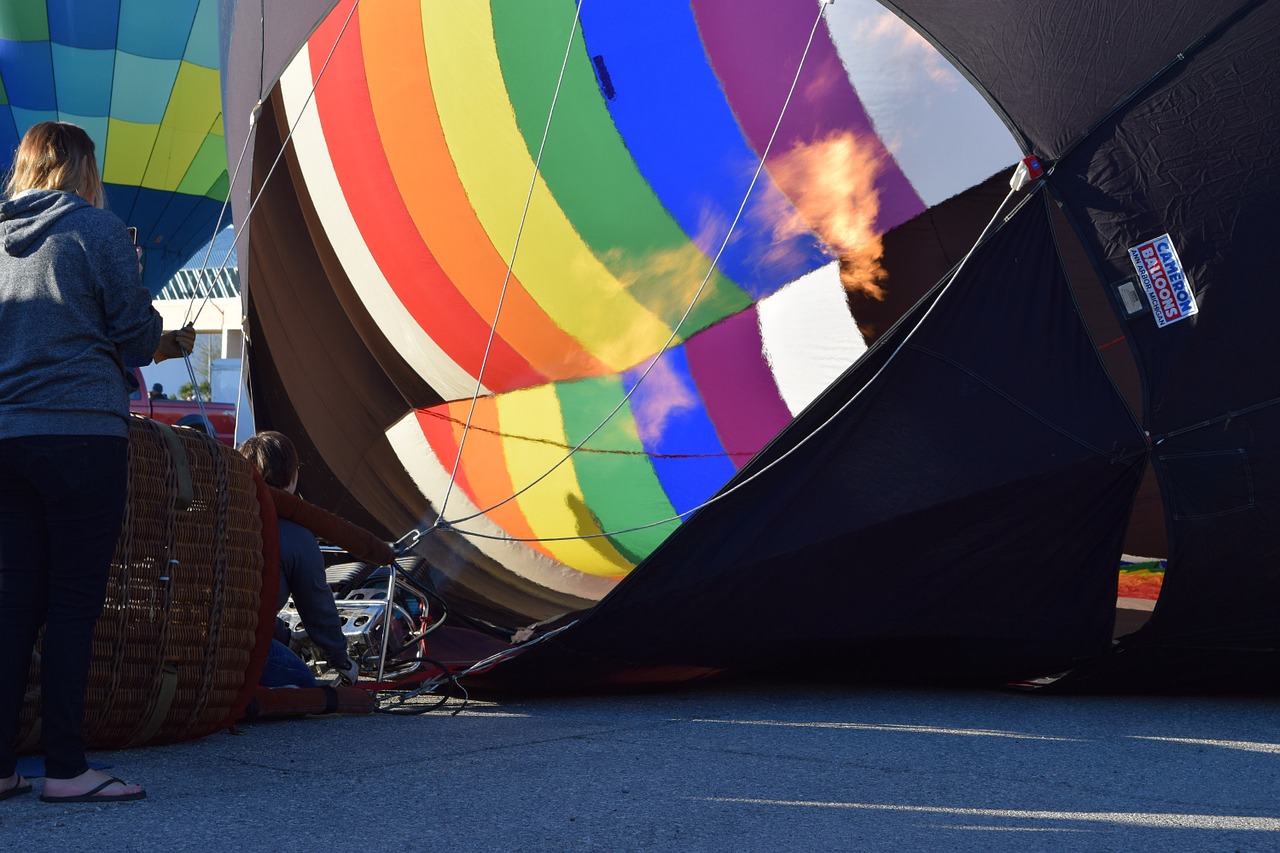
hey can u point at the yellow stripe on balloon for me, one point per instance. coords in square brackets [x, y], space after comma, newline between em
[395, 65]
[125, 161]
[193, 105]
[534, 442]
[553, 263]
[158, 157]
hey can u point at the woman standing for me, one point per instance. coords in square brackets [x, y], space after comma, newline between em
[74, 316]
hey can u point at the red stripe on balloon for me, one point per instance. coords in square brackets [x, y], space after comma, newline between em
[371, 193]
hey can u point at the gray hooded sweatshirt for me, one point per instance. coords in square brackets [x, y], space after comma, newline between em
[73, 314]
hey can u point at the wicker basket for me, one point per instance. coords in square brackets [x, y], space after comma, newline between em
[180, 634]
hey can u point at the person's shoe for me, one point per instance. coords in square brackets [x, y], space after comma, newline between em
[348, 671]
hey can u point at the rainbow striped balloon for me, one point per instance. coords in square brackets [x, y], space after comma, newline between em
[661, 239]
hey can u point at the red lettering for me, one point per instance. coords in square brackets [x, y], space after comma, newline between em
[1158, 277]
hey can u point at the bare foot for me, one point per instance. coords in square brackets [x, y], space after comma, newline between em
[89, 780]
[12, 786]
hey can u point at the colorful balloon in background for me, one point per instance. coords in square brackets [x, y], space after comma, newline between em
[143, 80]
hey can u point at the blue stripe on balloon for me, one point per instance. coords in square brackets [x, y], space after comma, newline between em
[156, 30]
[202, 48]
[27, 69]
[141, 89]
[120, 201]
[669, 108]
[677, 432]
[195, 216]
[83, 78]
[87, 25]
[25, 118]
[186, 220]
[9, 139]
[95, 126]
[149, 207]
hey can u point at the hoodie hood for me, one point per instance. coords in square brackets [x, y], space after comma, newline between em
[25, 217]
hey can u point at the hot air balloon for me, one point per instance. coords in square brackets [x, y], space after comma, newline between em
[708, 325]
[143, 80]
[636, 251]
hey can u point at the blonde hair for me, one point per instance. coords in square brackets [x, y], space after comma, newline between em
[56, 155]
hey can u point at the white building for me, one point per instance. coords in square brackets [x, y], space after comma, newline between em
[210, 297]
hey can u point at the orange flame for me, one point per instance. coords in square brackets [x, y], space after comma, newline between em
[830, 190]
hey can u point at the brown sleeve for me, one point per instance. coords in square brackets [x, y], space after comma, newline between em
[357, 541]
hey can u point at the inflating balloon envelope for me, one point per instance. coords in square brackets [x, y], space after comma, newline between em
[581, 296]
[143, 81]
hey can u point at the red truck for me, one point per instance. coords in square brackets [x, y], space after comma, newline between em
[219, 420]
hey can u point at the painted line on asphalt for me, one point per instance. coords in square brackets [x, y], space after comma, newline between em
[1163, 820]
[892, 727]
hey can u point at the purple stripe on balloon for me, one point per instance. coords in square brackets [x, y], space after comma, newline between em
[736, 385]
[754, 46]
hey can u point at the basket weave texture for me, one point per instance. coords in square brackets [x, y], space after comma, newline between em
[176, 637]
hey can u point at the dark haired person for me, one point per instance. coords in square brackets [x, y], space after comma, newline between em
[301, 565]
[73, 315]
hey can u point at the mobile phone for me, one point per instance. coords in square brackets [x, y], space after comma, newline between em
[133, 234]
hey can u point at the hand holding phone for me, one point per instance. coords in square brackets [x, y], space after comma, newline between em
[137, 250]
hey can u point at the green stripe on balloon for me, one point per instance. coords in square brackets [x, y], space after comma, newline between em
[592, 175]
[23, 20]
[617, 478]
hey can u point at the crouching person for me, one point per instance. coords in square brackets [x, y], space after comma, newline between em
[301, 575]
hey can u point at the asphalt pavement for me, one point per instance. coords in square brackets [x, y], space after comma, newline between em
[735, 766]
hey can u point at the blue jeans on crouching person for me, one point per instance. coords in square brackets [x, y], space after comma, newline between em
[285, 669]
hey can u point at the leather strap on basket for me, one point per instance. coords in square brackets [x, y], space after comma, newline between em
[181, 467]
[160, 709]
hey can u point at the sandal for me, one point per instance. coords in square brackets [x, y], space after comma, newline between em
[95, 796]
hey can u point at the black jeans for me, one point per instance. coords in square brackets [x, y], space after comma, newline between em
[62, 500]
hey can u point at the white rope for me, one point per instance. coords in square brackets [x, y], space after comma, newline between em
[188, 318]
[653, 362]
